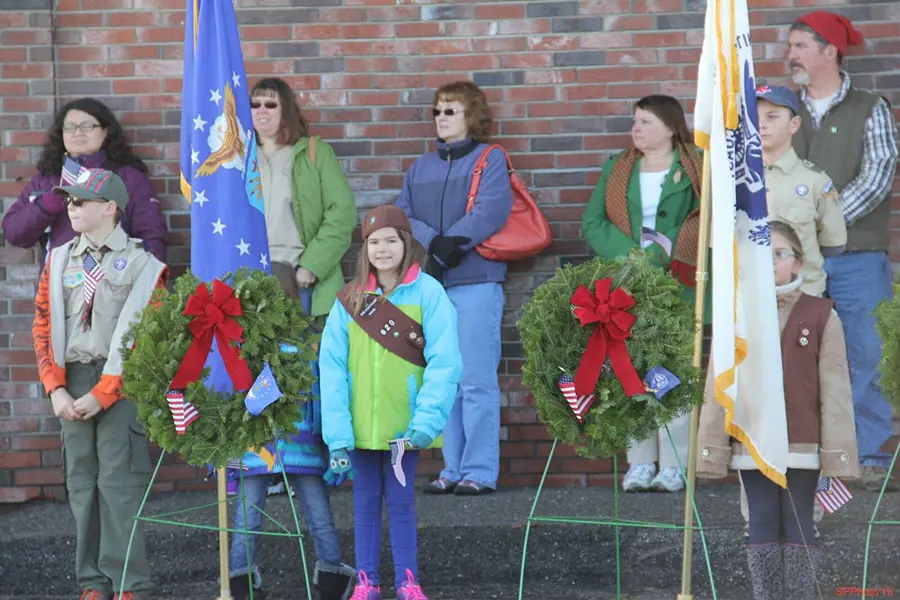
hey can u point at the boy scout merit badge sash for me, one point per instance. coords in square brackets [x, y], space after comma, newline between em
[396, 331]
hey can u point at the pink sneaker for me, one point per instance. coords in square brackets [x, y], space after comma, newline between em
[410, 590]
[364, 590]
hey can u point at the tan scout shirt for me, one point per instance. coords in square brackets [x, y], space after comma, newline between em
[803, 196]
[120, 266]
[285, 244]
[130, 275]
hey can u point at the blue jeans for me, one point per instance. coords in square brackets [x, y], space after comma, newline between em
[472, 434]
[857, 282]
[374, 484]
[311, 489]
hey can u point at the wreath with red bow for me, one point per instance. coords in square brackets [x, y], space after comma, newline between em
[591, 335]
[252, 323]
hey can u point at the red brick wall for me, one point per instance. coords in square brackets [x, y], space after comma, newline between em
[560, 75]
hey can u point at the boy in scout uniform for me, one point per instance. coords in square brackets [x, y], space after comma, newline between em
[90, 291]
[797, 191]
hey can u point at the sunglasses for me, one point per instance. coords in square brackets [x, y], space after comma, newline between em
[269, 105]
[79, 202]
[436, 112]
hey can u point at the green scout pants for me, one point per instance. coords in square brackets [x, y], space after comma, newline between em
[107, 468]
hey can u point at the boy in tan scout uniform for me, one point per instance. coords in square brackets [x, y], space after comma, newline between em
[90, 291]
[797, 191]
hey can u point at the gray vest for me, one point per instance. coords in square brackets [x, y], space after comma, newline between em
[837, 148]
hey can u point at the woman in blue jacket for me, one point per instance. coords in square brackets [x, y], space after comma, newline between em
[434, 196]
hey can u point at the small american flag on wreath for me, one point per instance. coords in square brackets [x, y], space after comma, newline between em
[832, 494]
[578, 404]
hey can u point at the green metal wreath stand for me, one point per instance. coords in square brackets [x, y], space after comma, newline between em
[873, 521]
[615, 522]
[223, 529]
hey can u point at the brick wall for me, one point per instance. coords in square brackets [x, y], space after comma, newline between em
[561, 77]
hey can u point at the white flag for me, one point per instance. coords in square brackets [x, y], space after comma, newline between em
[746, 346]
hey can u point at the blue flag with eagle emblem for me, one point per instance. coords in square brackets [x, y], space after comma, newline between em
[219, 170]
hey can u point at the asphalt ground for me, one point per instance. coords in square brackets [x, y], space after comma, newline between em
[472, 548]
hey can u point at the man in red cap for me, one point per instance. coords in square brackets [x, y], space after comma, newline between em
[851, 135]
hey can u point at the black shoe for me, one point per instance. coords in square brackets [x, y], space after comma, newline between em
[240, 588]
[334, 586]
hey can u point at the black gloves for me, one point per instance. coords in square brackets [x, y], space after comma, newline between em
[447, 251]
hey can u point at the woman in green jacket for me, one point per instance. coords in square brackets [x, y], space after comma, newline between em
[310, 216]
[648, 197]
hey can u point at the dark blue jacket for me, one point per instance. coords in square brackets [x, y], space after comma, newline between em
[434, 197]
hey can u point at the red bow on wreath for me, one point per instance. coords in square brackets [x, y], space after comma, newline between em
[213, 317]
[608, 311]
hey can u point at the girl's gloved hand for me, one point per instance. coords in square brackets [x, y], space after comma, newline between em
[418, 440]
[339, 468]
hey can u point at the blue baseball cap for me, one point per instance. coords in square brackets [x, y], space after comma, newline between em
[780, 96]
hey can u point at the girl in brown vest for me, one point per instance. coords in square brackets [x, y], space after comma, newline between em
[782, 552]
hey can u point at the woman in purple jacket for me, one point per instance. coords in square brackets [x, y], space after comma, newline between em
[434, 196]
[84, 130]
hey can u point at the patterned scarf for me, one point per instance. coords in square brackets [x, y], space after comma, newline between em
[684, 255]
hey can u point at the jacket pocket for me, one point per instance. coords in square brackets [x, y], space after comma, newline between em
[140, 452]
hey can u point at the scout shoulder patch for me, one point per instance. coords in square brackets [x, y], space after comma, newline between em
[73, 277]
[829, 192]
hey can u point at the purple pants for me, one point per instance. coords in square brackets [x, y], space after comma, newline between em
[374, 483]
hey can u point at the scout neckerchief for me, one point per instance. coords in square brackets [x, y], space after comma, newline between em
[93, 275]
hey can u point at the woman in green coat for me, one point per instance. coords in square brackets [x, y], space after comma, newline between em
[649, 197]
[310, 216]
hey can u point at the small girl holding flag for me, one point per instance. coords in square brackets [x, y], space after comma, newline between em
[389, 364]
[818, 406]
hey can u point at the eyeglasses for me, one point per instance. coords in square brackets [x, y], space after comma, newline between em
[436, 112]
[79, 202]
[85, 127]
[269, 105]
[783, 255]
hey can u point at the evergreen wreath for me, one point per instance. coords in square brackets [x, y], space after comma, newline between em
[888, 324]
[154, 347]
[662, 335]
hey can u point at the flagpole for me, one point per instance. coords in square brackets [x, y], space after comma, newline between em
[224, 579]
[702, 279]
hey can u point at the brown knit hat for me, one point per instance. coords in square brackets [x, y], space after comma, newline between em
[385, 215]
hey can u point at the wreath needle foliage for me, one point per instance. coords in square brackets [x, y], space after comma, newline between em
[888, 324]
[154, 347]
[663, 335]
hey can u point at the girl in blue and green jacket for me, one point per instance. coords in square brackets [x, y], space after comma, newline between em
[371, 395]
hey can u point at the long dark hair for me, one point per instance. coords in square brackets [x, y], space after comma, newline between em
[293, 126]
[118, 150]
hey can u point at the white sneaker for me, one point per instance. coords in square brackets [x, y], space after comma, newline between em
[668, 480]
[639, 477]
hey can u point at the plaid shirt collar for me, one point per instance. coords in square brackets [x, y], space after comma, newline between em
[842, 93]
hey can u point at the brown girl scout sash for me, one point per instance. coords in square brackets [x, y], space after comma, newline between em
[396, 331]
